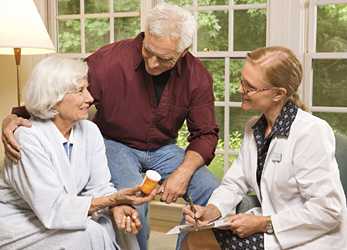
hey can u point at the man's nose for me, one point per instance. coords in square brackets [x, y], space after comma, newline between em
[153, 62]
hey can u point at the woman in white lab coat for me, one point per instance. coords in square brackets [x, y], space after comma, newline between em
[59, 195]
[288, 159]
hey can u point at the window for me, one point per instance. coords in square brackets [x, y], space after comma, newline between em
[326, 84]
[227, 30]
[85, 25]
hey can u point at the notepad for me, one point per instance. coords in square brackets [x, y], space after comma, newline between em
[223, 222]
[220, 223]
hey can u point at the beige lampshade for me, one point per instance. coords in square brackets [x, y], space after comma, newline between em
[21, 26]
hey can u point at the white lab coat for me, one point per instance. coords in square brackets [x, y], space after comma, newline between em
[300, 187]
[44, 200]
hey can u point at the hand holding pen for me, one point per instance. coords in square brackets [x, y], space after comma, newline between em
[198, 215]
[192, 208]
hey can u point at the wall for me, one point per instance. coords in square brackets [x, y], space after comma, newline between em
[8, 89]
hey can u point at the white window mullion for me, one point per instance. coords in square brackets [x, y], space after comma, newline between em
[312, 32]
[213, 8]
[250, 6]
[235, 104]
[267, 40]
[329, 109]
[112, 24]
[82, 32]
[226, 111]
[231, 28]
[196, 16]
[52, 9]
[68, 17]
[308, 81]
[219, 54]
[324, 2]
[329, 55]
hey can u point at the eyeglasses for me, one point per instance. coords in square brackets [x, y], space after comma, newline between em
[247, 89]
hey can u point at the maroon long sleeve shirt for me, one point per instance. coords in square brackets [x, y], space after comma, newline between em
[127, 109]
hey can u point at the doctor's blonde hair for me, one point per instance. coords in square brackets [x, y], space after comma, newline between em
[281, 69]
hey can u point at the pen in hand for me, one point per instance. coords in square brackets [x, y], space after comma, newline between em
[193, 210]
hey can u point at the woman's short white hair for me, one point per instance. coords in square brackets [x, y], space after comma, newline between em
[167, 20]
[50, 80]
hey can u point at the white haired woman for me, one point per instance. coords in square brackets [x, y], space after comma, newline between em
[58, 194]
[288, 158]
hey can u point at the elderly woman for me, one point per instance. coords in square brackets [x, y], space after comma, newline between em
[57, 196]
[288, 159]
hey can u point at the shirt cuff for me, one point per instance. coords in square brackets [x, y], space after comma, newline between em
[203, 148]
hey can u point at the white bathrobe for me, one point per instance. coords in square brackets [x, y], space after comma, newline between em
[44, 199]
[300, 187]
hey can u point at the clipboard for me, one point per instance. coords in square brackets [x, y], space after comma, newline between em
[223, 222]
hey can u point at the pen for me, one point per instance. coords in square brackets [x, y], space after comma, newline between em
[193, 210]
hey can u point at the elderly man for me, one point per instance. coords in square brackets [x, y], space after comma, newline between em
[144, 89]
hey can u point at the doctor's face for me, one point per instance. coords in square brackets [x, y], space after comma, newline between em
[75, 104]
[255, 92]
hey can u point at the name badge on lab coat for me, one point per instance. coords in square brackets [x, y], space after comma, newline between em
[276, 157]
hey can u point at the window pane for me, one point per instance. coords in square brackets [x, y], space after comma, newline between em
[232, 158]
[216, 69]
[329, 82]
[338, 121]
[213, 2]
[249, 29]
[126, 5]
[213, 31]
[126, 27]
[332, 28]
[96, 6]
[248, 1]
[67, 7]
[69, 38]
[183, 136]
[235, 77]
[238, 119]
[180, 2]
[97, 33]
[217, 166]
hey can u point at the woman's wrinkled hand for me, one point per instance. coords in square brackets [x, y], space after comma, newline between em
[126, 219]
[132, 196]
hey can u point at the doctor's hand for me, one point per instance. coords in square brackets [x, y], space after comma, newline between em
[126, 219]
[9, 125]
[203, 215]
[245, 225]
[175, 185]
[132, 196]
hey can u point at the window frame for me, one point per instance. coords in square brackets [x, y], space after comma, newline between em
[311, 54]
[288, 23]
[52, 9]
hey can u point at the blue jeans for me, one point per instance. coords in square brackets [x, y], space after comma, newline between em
[127, 165]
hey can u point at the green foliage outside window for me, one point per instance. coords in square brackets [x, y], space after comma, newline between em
[97, 30]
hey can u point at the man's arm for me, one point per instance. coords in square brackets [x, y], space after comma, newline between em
[19, 117]
[203, 140]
